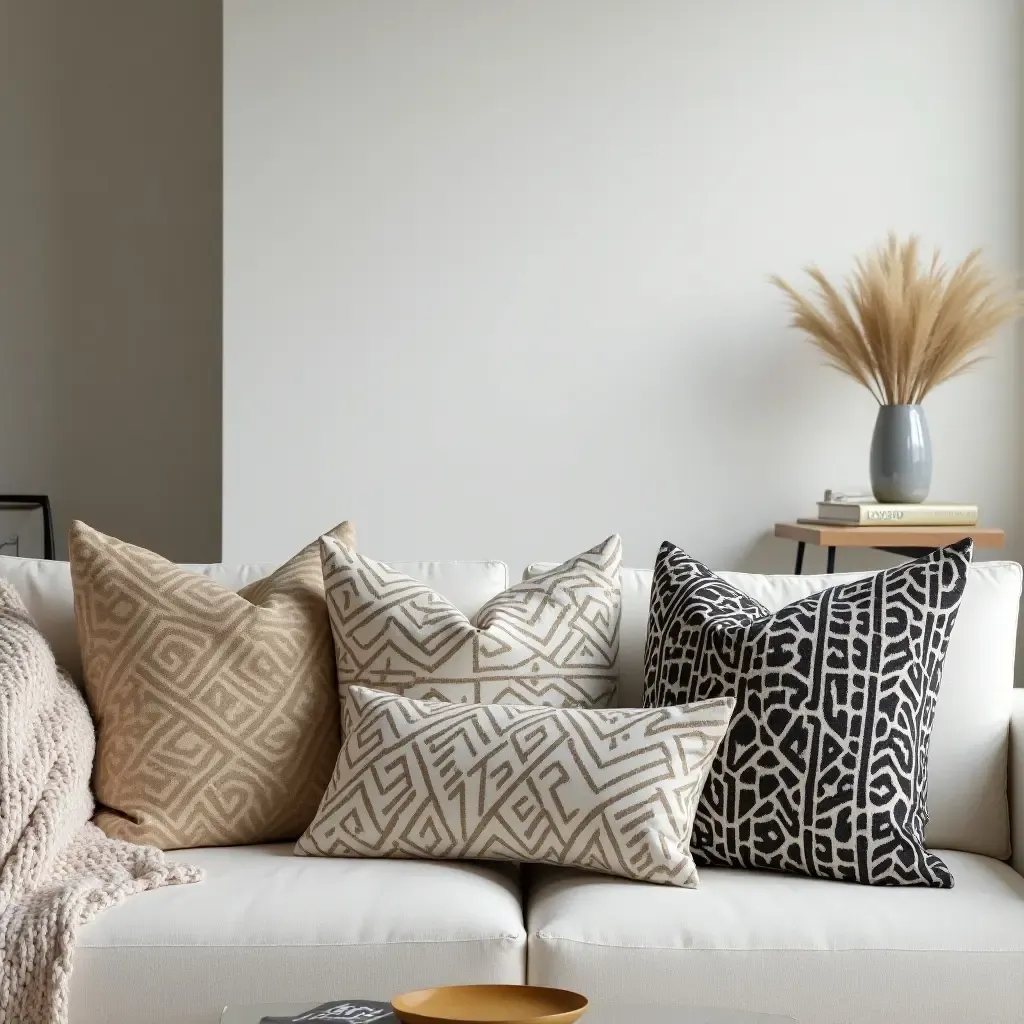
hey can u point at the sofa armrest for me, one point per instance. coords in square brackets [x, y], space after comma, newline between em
[1016, 780]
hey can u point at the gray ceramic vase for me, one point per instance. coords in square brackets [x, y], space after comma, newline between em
[901, 454]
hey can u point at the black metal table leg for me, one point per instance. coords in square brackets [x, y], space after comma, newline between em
[800, 546]
[831, 565]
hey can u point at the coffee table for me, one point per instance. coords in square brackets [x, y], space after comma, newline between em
[599, 1013]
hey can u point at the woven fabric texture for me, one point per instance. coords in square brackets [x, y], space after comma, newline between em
[57, 871]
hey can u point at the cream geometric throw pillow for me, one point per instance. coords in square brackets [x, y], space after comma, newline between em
[216, 712]
[549, 640]
[612, 791]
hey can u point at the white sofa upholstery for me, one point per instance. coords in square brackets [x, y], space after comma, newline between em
[1016, 779]
[816, 950]
[265, 926]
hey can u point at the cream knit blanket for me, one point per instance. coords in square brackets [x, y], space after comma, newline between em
[57, 871]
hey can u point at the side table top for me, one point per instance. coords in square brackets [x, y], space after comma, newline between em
[826, 535]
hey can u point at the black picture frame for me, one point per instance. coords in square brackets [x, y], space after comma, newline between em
[12, 502]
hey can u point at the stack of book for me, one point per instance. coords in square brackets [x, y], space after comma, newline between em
[858, 509]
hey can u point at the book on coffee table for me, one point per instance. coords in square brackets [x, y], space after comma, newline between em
[348, 1011]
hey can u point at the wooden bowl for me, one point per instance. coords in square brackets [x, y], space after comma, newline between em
[489, 1004]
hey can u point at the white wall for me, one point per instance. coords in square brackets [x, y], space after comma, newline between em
[110, 266]
[495, 273]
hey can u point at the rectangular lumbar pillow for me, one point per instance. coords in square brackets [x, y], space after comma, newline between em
[824, 768]
[609, 790]
[216, 712]
[549, 640]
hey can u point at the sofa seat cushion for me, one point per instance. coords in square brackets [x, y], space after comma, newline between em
[268, 927]
[820, 951]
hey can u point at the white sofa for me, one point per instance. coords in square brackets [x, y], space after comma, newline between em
[269, 927]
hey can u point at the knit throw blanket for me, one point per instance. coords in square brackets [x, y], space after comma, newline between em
[57, 871]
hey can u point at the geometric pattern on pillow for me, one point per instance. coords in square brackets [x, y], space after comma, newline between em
[824, 768]
[216, 712]
[608, 790]
[550, 640]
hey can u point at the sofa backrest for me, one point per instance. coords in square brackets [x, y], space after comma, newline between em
[45, 587]
[967, 785]
[967, 801]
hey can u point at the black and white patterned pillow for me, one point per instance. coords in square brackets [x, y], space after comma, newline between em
[824, 768]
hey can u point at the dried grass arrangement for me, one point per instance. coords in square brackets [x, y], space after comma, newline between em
[902, 329]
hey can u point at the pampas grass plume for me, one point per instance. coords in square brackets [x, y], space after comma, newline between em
[900, 328]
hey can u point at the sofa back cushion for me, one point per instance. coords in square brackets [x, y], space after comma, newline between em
[967, 802]
[45, 587]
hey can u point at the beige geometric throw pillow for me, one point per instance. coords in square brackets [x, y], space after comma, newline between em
[550, 640]
[613, 790]
[216, 712]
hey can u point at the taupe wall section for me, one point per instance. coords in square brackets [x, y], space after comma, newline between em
[29, 430]
[110, 265]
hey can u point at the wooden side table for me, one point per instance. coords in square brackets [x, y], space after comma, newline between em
[911, 541]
